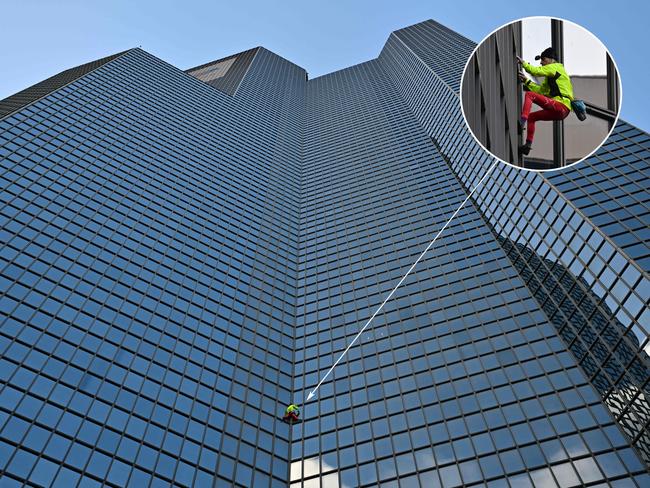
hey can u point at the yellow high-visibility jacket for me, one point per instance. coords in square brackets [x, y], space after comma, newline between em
[550, 71]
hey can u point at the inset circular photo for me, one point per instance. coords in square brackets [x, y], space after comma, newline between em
[541, 93]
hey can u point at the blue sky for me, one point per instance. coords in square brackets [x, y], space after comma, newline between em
[41, 37]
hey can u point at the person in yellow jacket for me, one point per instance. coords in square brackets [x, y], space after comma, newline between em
[291, 414]
[554, 95]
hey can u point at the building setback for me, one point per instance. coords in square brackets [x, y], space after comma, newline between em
[186, 253]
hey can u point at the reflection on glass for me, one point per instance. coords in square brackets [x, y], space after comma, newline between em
[610, 355]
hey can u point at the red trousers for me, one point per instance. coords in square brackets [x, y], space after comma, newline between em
[553, 110]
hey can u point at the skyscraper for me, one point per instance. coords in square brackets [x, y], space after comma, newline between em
[188, 252]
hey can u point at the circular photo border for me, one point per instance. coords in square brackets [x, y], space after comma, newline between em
[549, 18]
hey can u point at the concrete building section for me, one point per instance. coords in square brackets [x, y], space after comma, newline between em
[580, 137]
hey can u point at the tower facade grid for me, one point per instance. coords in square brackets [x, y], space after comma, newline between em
[181, 261]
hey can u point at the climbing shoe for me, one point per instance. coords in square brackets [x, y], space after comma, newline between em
[525, 149]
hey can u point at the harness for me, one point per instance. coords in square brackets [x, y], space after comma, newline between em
[578, 106]
[555, 90]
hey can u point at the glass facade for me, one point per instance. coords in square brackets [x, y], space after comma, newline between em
[533, 210]
[148, 278]
[182, 262]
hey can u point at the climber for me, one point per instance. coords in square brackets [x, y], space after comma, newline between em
[291, 414]
[554, 95]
